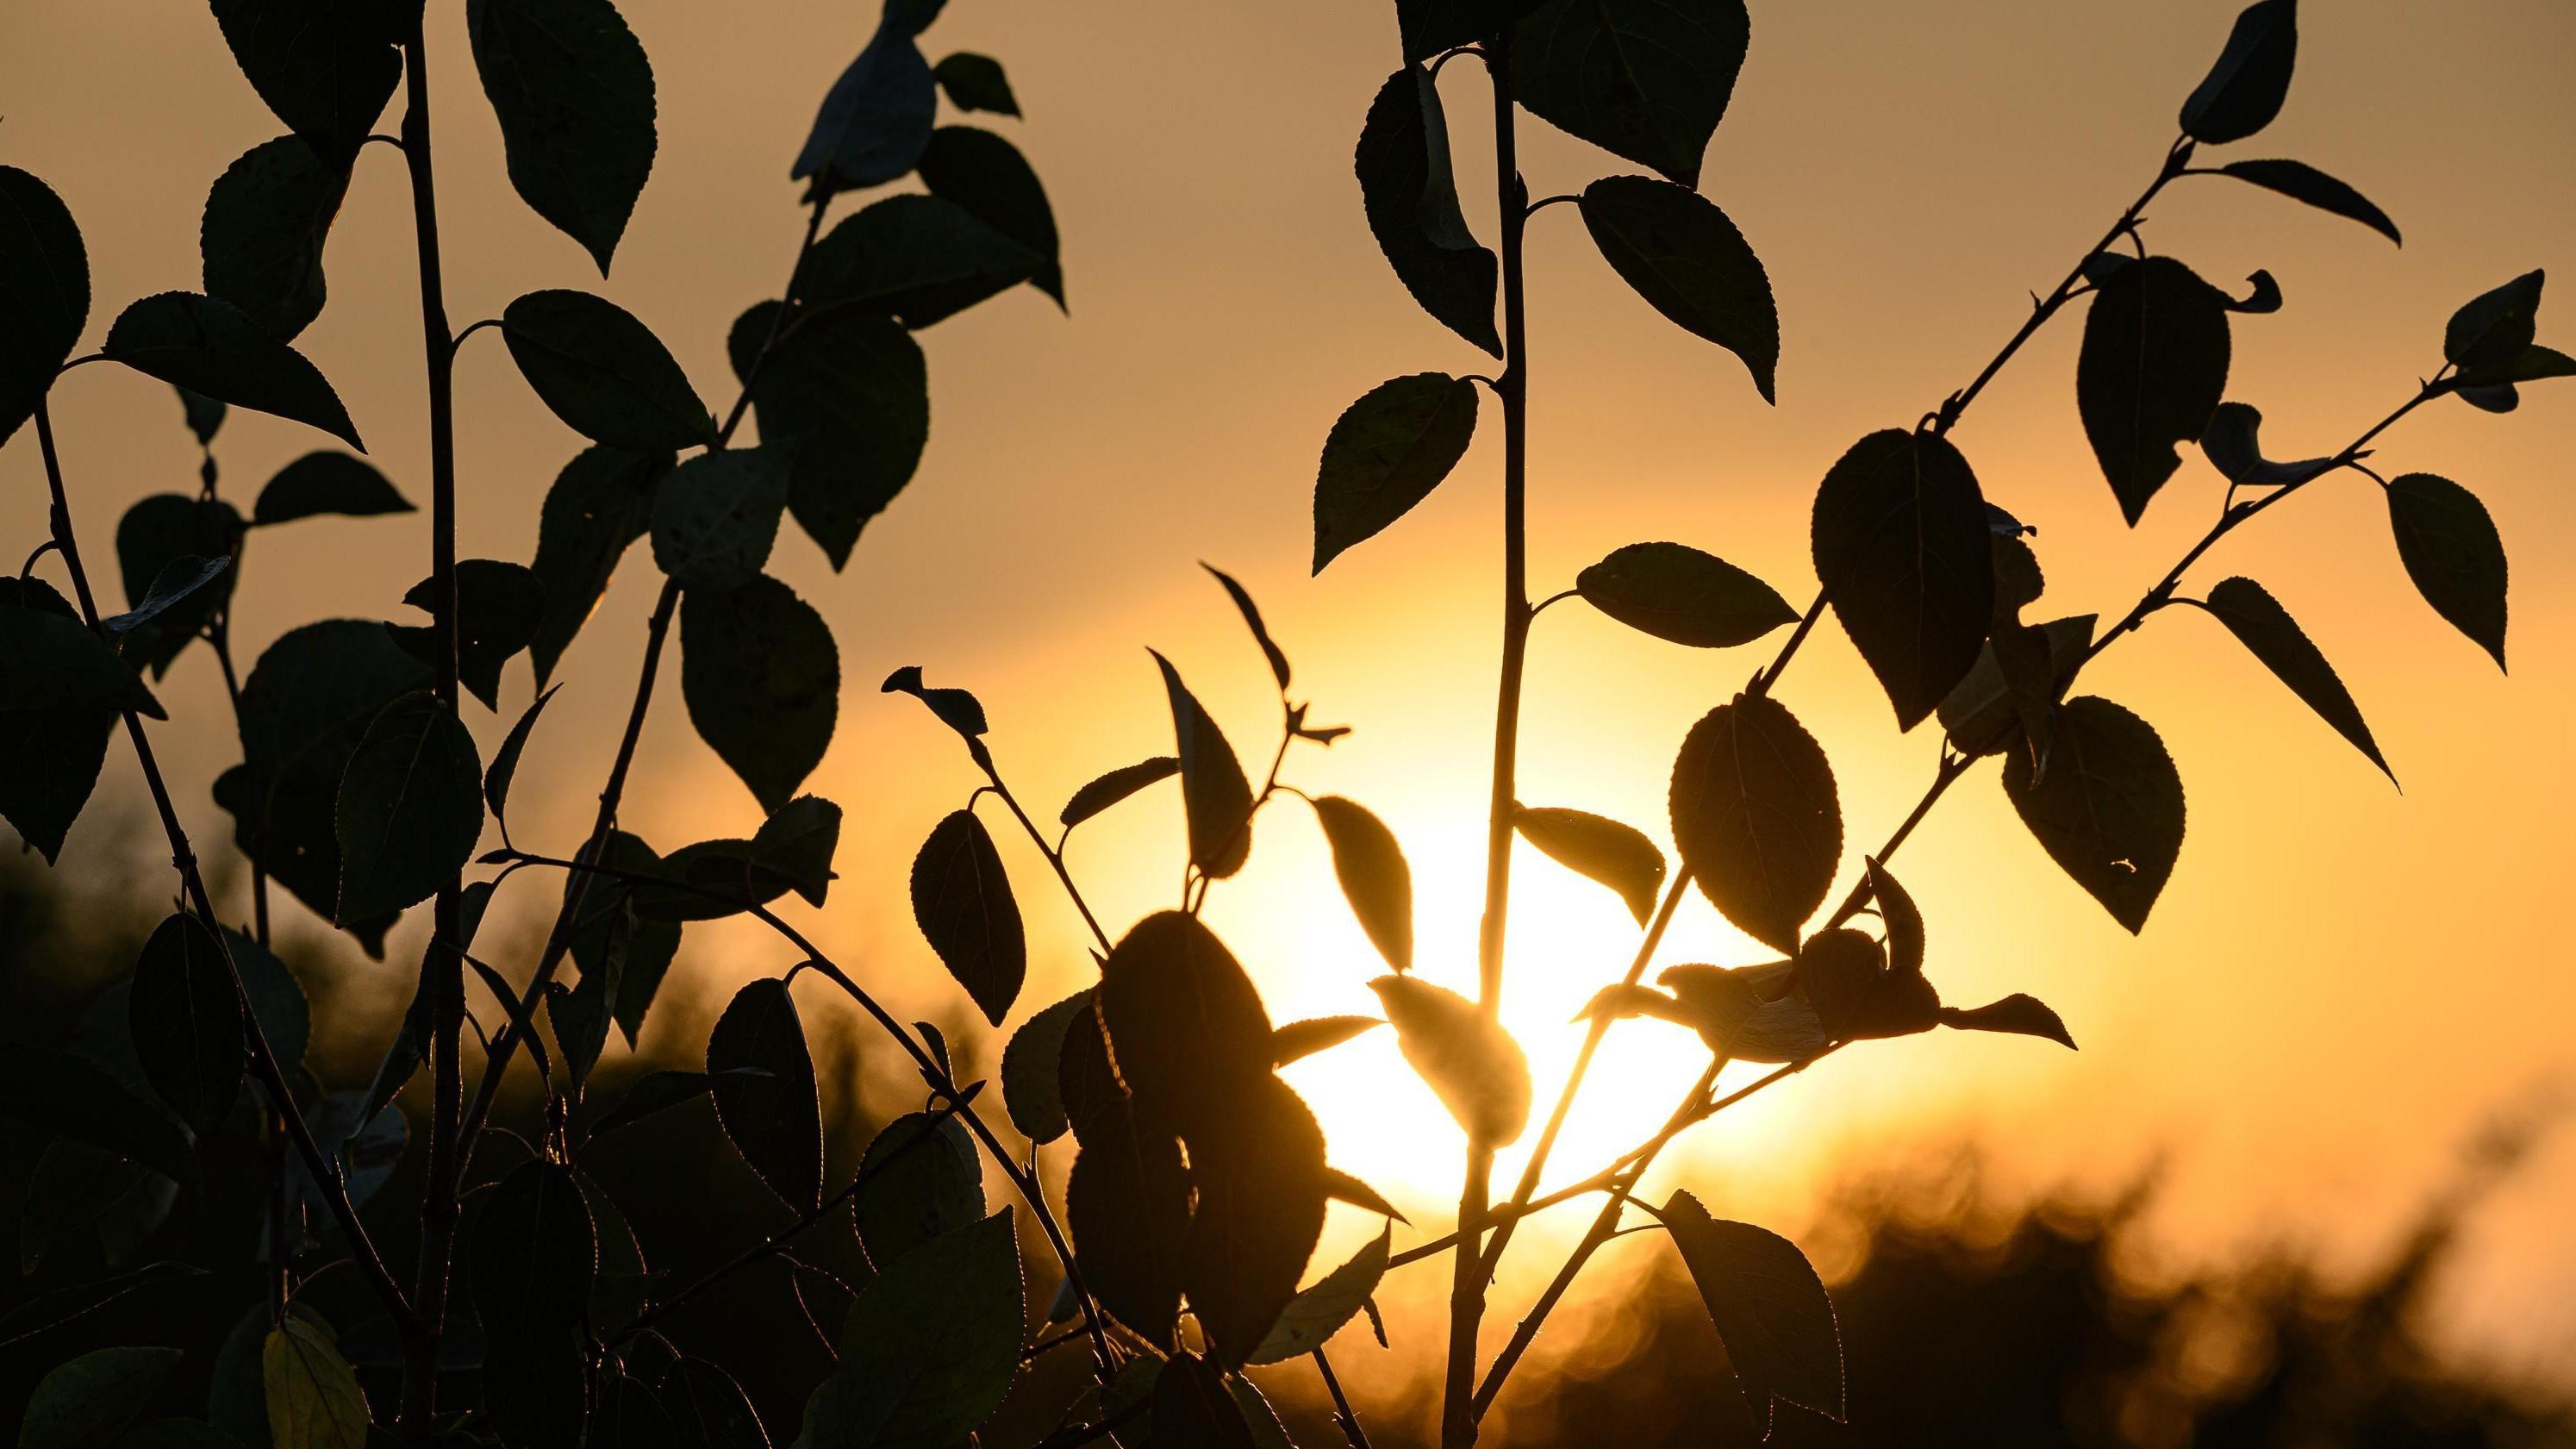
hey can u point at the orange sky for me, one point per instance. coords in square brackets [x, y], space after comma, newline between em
[2340, 981]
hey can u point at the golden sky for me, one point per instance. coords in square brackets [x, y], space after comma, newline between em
[2340, 982]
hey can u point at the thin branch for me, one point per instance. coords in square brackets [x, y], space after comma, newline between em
[1343, 1415]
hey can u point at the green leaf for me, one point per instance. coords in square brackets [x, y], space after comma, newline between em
[992, 181]
[498, 608]
[1770, 1310]
[1410, 196]
[1903, 551]
[2452, 551]
[2244, 90]
[532, 1255]
[976, 83]
[1470, 1062]
[795, 845]
[1299, 1040]
[88, 1402]
[44, 293]
[2267, 631]
[1316, 1314]
[765, 1093]
[763, 683]
[1680, 594]
[1031, 1064]
[844, 395]
[61, 691]
[1215, 796]
[917, 259]
[325, 68]
[1616, 855]
[600, 503]
[410, 808]
[314, 1401]
[326, 482]
[160, 531]
[2300, 181]
[1679, 252]
[930, 1349]
[1375, 880]
[2108, 808]
[1756, 817]
[574, 94]
[2018, 1014]
[1644, 79]
[1115, 786]
[876, 118]
[208, 346]
[266, 221]
[716, 517]
[2151, 373]
[505, 761]
[186, 1017]
[1251, 612]
[1386, 453]
[604, 372]
[961, 899]
[917, 1189]
[2495, 325]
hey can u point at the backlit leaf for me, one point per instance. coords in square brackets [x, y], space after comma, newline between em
[209, 346]
[602, 371]
[1251, 613]
[2244, 90]
[1902, 918]
[1192, 1407]
[1115, 786]
[1770, 1309]
[44, 299]
[325, 68]
[410, 808]
[1031, 1064]
[2233, 444]
[2151, 373]
[601, 502]
[1644, 79]
[930, 1349]
[505, 761]
[958, 709]
[2452, 551]
[961, 899]
[918, 259]
[266, 221]
[326, 482]
[1386, 453]
[763, 682]
[498, 608]
[1214, 794]
[1469, 1061]
[157, 533]
[88, 1402]
[314, 1401]
[1616, 855]
[61, 690]
[716, 517]
[1258, 1175]
[989, 178]
[845, 395]
[1375, 879]
[796, 844]
[1756, 818]
[1679, 252]
[532, 1255]
[2108, 808]
[1183, 1021]
[574, 94]
[2496, 324]
[917, 1189]
[186, 1016]
[1318, 1312]
[2267, 631]
[2302, 182]
[763, 1083]
[876, 117]
[1127, 1200]
[2018, 1014]
[1299, 1040]
[1904, 554]
[1683, 595]
[1410, 196]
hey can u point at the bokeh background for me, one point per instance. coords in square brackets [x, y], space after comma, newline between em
[2342, 987]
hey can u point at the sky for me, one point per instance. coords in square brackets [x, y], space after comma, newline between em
[2341, 983]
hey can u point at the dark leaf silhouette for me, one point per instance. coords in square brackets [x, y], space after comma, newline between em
[876, 118]
[716, 517]
[2233, 444]
[1902, 918]
[1616, 855]
[2244, 90]
[2486, 380]
[653, 1093]
[61, 688]
[532, 1257]
[1470, 1062]
[41, 1311]
[1682, 254]
[600, 503]
[2452, 551]
[72, 1097]
[266, 220]
[962, 901]
[574, 94]
[498, 607]
[1410, 197]
[2267, 631]
[2302, 182]
[709, 1409]
[186, 1017]
[1340, 1186]
[1770, 1310]
[2018, 1014]
[209, 346]
[1903, 551]
[762, 1079]
[1386, 453]
[763, 681]
[275, 997]
[846, 396]
[989, 178]
[1214, 794]
[917, 259]
[2016, 682]
[1678, 593]
[326, 482]
[1031, 1064]
[1317, 1313]
[326, 69]
[924, 1180]
[603, 372]
[2152, 371]
[2109, 807]
[410, 808]
[178, 580]
[2495, 326]
[505, 761]
[1643, 79]
[1184, 1024]
[1299, 1040]
[931, 1346]
[160, 531]
[1375, 879]
[1192, 1407]
[976, 83]
[1756, 818]
[46, 301]
[1115, 786]
[92, 1399]
[795, 845]
[205, 416]
[1127, 1201]
[1251, 613]
[313, 1394]
[1259, 1181]
[958, 709]
[1845, 977]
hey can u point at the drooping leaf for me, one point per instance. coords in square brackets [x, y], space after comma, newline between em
[989, 178]
[930, 1349]
[600, 369]
[1375, 880]
[1469, 1061]
[763, 1083]
[2109, 807]
[1904, 554]
[1299, 1040]
[2495, 325]
[2300, 181]
[2267, 631]
[876, 118]
[1115, 786]
[1183, 1022]
[2452, 551]
[1410, 196]
[961, 899]
[1258, 1175]
[1770, 1309]
[209, 346]
[924, 1180]
[90, 1400]
[2244, 90]
[44, 293]
[498, 608]
[716, 517]
[958, 709]
[976, 83]
[2152, 370]
[1215, 796]
[1031, 1064]
[795, 844]
[2018, 1014]
[505, 761]
[186, 1016]
[2233, 444]
[1317, 1313]
[845, 395]
[266, 221]
[326, 482]
[1685, 257]
[918, 259]
[1251, 613]
[574, 94]
[325, 69]
[600, 503]
[410, 808]
[61, 691]
[1386, 453]
[1678, 593]
[532, 1255]
[314, 1401]
[763, 683]
[1599, 849]
[1644, 79]
[1756, 817]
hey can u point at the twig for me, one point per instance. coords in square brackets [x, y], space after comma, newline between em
[1343, 1414]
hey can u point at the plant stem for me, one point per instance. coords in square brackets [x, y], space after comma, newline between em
[1054, 856]
[1343, 1414]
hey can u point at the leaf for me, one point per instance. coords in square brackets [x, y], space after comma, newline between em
[83, 1201]
[1115, 786]
[1684, 596]
[1386, 453]
[600, 503]
[1599, 849]
[44, 293]
[989, 178]
[653, 1093]
[876, 118]
[1469, 1061]
[956, 708]
[1903, 552]
[505, 761]
[1316, 1314]
[88, 1402]
[532, 1255]
[1031, 1063]
[1411, 199]
[2452, 551]
[1981, 713]
[1756, 818]
[61, 691]
[711, 1410]
[2109, 808]
[314, 1401]
[795, 844]
[265, 224]
[763, 683]
[44, 1311]
[765, 1095]
[1258, 1174]
[1644, 79]
[2531, 364]
[2495, 325]
[2151, 373]
[410, 808]
[1902, 918]
[326, 482]
[2300, 181]
[961, 899]
[1183, 1022]
[917, 259]
[1127, 1200]
[186, 1017]
[2244, 90]
[602, 371]
[157, 532]
[976, 83]
[1845, 977]
[716, 517]
[1342, 1187]
[498, 608]
[574, 95]
[917, 1190]
[846, 397]
[326, 69]
[2232, 442]
[1214, 794]
[205, 416]
[177, 580]
[1375, 880]
[2267, 631]
[2019, 1014]
[208, 346]
[1192, 1407]
[1770, 1310]
[1299, 1040]
[931, 1347]
[1674, 248]
[1251, 613]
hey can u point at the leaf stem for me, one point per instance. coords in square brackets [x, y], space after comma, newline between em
[1054, 853]
[1343, 1415]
